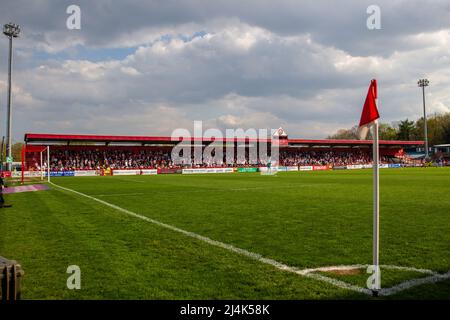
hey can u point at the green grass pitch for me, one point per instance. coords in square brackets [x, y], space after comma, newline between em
[301, 219]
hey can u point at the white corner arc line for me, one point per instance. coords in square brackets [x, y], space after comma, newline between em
[432, 278]
[309, 273]
[364, 266]
[414, 282]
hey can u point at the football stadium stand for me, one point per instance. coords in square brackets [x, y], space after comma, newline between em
[101, 153]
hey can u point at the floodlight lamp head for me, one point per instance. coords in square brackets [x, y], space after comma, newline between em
[11, 30]
[423, 83]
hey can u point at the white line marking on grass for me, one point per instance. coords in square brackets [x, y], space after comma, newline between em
[433, 278]
[280, 187]
[309, 273]
[364, 266]
[129, 180]
[338, 283]
[210, 241]
[222, 245]
[201, 191]
[414, 282]
[120, 194]
[391, 267]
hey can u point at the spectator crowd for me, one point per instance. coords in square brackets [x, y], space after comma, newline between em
[328, 157]
[96, 159]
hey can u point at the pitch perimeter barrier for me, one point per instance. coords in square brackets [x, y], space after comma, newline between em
[354, 166]
[280, 168]
[275, 169]
[147, 172]
[119, 172]
[369, 166]
[315, 168]
[133, 172]
[124, 172]
[7, 174]
[247, 170]
[66, 173]
[168, 171]
[37, 174]
[85, 173]
[27, 174]
[62, 173]
[207, 170]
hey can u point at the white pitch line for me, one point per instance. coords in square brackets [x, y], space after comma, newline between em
[365, 266]
[433, 278]
[120, 194]
[309, 273]
[332, 268]
[407, 269]
[130, 180]
[414, 282]
[280, 187]
[210, 241]
[338, 283]
[202, 191]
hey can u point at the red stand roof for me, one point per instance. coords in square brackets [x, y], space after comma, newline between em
[52, 138]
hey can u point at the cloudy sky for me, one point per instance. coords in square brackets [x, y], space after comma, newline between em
[149, 67]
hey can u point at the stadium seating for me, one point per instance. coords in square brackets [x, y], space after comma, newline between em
[95, 159]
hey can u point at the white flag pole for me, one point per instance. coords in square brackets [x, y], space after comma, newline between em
[376, 207]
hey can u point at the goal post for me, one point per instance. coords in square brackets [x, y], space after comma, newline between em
[35, 164]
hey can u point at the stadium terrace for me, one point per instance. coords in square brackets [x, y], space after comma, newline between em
[109, 155]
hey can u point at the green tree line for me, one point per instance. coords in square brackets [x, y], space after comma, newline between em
[16, 151]
[438, 130]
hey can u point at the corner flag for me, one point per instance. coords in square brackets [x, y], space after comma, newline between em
[370, 112]
[369, 118]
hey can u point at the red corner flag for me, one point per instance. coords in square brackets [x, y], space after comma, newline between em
[369, 118]
[370, 111]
